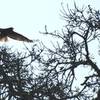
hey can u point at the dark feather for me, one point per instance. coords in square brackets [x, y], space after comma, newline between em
[8, 32]
[17, 36]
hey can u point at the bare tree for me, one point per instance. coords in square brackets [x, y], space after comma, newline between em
[73, 52]
[17, 76]
[59, 67]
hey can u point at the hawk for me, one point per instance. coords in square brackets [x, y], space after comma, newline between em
[8, 32]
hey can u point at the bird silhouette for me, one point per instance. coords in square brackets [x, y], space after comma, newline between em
[8, 32]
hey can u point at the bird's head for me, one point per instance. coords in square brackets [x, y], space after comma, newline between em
[10, 28]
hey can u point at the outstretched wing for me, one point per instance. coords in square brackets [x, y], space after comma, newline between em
[17, 36]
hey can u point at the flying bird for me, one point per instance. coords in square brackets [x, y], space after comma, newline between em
[8, 32]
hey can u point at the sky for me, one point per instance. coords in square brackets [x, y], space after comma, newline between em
[29, 17]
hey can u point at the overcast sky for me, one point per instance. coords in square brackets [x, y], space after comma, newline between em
[28, 17]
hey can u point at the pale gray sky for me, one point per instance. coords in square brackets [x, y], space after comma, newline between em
[28, 17]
